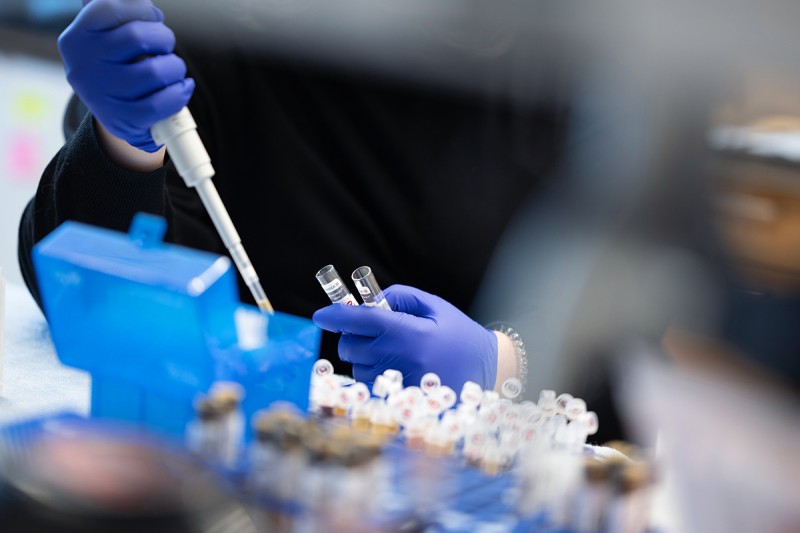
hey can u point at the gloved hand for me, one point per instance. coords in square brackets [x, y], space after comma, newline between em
[423, 334]
[118, 58]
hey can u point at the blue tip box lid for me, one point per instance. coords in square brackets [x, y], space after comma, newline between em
[132, 308]
[140, 257]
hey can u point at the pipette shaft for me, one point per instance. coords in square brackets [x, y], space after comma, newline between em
[179, 134]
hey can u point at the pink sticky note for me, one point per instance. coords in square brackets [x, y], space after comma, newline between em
[23, 157]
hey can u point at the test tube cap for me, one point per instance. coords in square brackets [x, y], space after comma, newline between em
[575, 408]
[561, 402]
[511, 388]
[430, 382]
[471, 393]
[322, 368]
[446, 395]
[394, 376]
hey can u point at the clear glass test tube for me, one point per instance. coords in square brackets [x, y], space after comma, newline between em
[334, 287]
[369, 289]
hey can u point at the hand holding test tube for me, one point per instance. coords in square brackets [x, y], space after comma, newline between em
[423, 334]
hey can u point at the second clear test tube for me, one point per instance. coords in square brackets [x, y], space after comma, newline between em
[369, 289]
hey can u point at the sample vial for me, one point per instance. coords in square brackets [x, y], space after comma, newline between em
[206, 434]
[430, 382]
[369, 289]
[360, 417]
[322, 368]
[394, 376]
[334, 287]
[228, 396]
[471, 394]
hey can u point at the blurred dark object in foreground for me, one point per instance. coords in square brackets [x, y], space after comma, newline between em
[77, 475]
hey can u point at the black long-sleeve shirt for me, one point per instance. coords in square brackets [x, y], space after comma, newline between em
[318, 168]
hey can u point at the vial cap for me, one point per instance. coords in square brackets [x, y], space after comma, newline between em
[393, 387]
[529, 433]
[394, 376]
[344, 397]
[405, 414]
[433, 405]
[452, 425]
[561, 403]
[360, 393]
[471, 393]
[430, 382]
[489, 398]
[381, 387]
[590, 422]
[447, 396]
[414, 395]
[476, 437]
[575, 408]
[322, 368]
[511, 388]
[547, 395]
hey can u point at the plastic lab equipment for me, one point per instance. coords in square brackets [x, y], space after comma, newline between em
[156, 324]
[369, 289]
[179, 134]
[334, 287]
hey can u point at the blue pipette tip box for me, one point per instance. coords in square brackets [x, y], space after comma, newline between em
[156, 324]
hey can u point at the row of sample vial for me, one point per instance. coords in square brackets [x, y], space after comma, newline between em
[302, 472]
[363, 277]
[488, 428]
[306, 474]
[557, 476]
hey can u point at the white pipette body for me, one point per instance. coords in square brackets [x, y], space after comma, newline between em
[179, 134]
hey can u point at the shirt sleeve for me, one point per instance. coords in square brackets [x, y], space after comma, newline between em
[83, 185]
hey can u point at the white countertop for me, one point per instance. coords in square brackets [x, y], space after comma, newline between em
[34, 382]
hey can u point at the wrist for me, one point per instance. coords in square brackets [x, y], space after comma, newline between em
[124, 155]
[512, 359]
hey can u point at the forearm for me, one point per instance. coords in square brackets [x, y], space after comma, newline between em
[82, 184]
[126, 156]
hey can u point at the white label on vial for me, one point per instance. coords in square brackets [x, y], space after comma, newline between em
[348, 300]
[363, 289]
[332, 286]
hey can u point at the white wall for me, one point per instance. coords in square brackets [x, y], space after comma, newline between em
[33, 95]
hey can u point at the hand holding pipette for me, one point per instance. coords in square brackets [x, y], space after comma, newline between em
[119, 57]
[179, 134]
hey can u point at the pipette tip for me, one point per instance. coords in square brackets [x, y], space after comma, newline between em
[265, 305]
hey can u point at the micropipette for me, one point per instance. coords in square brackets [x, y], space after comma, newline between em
[179, 134]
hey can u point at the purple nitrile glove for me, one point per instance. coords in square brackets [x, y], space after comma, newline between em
[423, 334]
[119, 60]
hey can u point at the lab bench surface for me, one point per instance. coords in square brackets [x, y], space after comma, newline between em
[34, 382]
